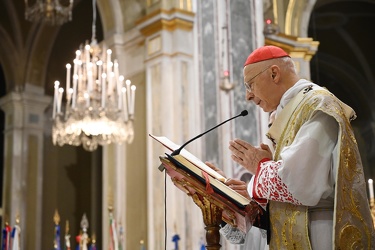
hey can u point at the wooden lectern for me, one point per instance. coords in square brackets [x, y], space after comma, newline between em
[217, 201]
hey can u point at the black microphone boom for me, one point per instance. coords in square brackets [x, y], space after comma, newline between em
[177, 151]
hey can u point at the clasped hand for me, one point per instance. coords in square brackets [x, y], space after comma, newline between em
[247, 155]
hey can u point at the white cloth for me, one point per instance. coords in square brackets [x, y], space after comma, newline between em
[255, 239]
[16, 238]
[309, 160]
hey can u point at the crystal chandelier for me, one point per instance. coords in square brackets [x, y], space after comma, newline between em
[99, 106]
[51, 12]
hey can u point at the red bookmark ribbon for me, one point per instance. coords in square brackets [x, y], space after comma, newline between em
[209, 188]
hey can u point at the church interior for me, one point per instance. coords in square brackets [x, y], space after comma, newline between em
[185, 58]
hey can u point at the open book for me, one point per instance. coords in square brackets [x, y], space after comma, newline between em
[194, 166]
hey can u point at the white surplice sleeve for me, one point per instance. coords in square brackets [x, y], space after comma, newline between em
[304, 174]
[233, 234]
[254, 239]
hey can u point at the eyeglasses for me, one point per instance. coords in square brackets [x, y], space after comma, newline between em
[248, 85]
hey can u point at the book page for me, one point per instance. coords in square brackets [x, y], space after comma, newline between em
[215, 182]
[189, 156]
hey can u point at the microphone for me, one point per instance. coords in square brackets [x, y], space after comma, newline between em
[177, 151]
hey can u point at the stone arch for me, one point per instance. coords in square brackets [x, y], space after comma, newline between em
[292, 16]
[40, 46]
[19, 66]
[297, 17]
[6, 57]
[119, 16]
[343, 63]
[110, 17]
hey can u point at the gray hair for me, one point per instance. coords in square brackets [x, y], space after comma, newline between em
[287, 63]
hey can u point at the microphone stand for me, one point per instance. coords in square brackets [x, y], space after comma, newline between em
[177, 151]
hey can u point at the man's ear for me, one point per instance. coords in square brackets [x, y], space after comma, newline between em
[275, 73]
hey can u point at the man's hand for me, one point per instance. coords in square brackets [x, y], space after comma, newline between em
[238, 186]
[247, 155]
[215, 168]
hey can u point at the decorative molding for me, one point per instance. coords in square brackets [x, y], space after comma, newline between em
[297, 47]
[169, 25]
[168, 20]
[161, 55]
[160, 12]
[154, 45]
[152, 2]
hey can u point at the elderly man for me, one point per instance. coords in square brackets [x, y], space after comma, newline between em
[313, 184]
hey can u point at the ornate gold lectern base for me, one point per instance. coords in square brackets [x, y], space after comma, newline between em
[212, 215]
[215, 207]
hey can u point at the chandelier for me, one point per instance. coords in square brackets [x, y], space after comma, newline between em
[99, 104]
[51, 12]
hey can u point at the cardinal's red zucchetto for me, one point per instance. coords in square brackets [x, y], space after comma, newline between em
[265, 53]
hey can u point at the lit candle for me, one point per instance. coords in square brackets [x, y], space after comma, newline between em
[61, 91]
[55, 98]
[75, 61]
[94, 71]
[75, 70]
[109, 68]
[75, 80]
[68, 66]
[80, 73]
[128, 82]
[100, 65]
[87, 54]
[69, 95]
[120, 84]
[89, 76]
[115, 70]
[109, 63]
[124, 107]
[87, 98]
[113, 87]
[78, 53]
[371, 188]
[133, 100]
[119, 93]
[104, 58]
[109, 52]
[104, 76]
[108, 87]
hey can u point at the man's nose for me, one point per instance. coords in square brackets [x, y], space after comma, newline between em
[249, 95]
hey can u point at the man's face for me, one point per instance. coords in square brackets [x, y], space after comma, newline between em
[259, 85]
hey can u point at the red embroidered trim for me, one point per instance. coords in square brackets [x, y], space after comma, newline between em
[268, 185]
[261, 201]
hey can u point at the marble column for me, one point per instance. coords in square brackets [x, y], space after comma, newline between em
[23, 149]
[124, 165]
[173, 111]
